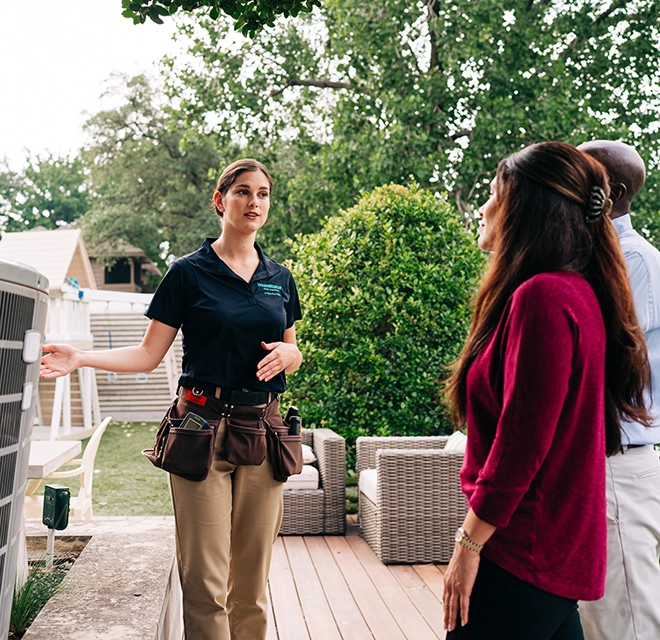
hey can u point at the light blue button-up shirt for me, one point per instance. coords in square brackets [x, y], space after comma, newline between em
[643, 261]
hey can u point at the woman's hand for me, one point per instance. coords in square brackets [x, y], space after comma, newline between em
[283, 356]
[459, 580]
[59, 360]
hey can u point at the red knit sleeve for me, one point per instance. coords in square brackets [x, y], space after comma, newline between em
[537, 349]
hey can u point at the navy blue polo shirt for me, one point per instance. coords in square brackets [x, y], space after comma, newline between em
[224, 319]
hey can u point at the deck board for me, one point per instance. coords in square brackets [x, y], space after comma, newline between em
[347, 614]
[335, 588]
[287, 613]
[433, 577]
[377, 615]
[399, 604]
[420, 596]
[316, 610]
[272, 631]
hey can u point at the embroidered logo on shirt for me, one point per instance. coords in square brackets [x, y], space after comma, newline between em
[271, 289]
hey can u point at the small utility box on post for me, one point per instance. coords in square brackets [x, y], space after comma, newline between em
[55, 515]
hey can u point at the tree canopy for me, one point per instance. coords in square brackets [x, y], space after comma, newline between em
[249, 15]
[51, 191]
[153, 191]
[355, 95]
[360, 94]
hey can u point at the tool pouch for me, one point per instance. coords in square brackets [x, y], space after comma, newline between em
[184, 452]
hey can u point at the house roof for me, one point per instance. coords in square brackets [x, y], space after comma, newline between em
[120, 248]
[123, 249]
[57, 254]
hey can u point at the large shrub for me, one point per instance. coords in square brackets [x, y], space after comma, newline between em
[385, 290]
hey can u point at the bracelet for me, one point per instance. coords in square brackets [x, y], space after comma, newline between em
[463, 539]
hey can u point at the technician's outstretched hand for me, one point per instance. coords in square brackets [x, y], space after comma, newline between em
[59, 360]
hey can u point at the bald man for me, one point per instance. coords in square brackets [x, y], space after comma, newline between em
[630, 609]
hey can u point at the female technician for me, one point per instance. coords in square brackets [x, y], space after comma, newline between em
[236, 309]
[554, 359]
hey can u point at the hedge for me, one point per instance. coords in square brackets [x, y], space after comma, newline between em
[385, 288]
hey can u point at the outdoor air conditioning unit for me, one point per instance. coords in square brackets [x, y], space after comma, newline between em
[23, 308]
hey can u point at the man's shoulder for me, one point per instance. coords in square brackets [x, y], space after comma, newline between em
[633, 242]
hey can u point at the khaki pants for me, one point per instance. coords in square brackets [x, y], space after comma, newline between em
[225, 529]
[630, 609]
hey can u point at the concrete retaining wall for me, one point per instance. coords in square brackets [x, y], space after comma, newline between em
[120, 588]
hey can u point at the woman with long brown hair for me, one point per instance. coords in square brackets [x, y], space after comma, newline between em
[554, 360]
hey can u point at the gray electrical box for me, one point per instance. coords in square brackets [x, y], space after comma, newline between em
[23, 309]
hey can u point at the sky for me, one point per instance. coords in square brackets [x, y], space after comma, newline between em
[55, 58]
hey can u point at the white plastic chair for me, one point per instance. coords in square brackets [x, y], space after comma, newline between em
[81, 505]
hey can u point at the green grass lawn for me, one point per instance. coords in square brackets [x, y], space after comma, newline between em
[125, 482]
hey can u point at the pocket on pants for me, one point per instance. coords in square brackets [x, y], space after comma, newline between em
[650, 473]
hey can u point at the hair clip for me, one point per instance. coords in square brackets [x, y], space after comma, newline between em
[599, 205]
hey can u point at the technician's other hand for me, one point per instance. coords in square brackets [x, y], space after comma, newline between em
[282, 355]
[59, 360]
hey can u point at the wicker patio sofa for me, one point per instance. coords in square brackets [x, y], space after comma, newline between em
[322, 510]
[418, 505]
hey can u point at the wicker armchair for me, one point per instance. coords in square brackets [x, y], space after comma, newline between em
[322, 510]
[419, 500]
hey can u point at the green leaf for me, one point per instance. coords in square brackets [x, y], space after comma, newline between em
[256, 13]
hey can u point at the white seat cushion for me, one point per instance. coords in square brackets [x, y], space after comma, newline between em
[457, 441]
[308, 454]
[368, 484]
[307, 479]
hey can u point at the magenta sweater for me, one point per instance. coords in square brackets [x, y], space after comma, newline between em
[535, 460]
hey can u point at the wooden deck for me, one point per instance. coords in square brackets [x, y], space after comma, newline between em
[335, 588]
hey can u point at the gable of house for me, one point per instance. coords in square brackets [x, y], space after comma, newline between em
[57, 254]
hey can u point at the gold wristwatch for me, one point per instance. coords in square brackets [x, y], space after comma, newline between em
[462, 539]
